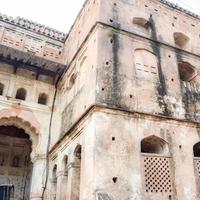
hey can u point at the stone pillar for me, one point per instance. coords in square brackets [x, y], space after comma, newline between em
[38, 178]
[61, 185]
[73, 183]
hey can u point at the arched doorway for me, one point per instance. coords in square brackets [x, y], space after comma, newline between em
[15, 163]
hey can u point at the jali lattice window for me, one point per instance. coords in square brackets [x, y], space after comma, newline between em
[157, 175]
[196, 150]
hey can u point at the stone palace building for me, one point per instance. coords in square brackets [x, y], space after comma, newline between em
[109, 111]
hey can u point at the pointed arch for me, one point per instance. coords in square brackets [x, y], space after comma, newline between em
[187, 71]
[196, 150]
[77, 152]
[154, 145]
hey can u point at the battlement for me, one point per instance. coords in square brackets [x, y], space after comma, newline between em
[34, 27]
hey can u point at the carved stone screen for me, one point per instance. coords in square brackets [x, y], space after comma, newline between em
[197, 171]
[157, 174]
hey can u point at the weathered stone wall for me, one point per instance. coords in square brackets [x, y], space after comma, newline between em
[112, 164]
[81, 29]
[140, 53]
[138, 75]
[117, 154]
[31, 116]
[77, 87]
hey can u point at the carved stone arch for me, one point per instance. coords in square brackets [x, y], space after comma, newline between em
[26, 126]
[154, 144]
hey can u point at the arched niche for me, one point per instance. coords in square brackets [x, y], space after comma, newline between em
[187, 71]
[42, 99]
[15, 155]
[54, 173]
[77, 152]
[65, 164]
[54, 182]
[21, 94]
[146, 65]
[154, 145]
[181, 39]
[140, 21]
[1, 88]
[196, 150]
[77, 171]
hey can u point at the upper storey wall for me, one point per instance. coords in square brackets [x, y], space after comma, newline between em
[77, 87]
[32, 38]
[148, 18]
[86, 19]
[154, 20]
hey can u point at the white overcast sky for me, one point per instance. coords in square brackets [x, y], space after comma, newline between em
[60, 14]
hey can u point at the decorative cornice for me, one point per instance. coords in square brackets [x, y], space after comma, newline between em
[178, 7]
[35, 27]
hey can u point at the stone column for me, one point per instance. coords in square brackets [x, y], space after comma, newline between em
[61, 185]
[73, 183]
[38, 178]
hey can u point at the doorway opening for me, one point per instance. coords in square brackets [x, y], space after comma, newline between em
[15, 163]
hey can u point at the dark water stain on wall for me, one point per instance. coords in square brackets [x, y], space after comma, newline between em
[161, 86]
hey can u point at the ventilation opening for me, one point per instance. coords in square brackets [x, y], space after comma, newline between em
[154, 145]
[196, 150]
[141, 22]
[21, 94]
[42, 99]
[187, 71]
[1, 88]
[180, 39]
